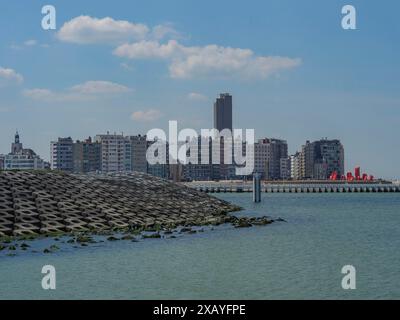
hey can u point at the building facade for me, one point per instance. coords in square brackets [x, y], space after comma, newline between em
[286, 169]
[267, 158]
[116, 152]
[139, 149]
[223, 112]
[319, 159]
[158, 162]
[86, 156]
[20, 158]
[61, 155]
[295, 166]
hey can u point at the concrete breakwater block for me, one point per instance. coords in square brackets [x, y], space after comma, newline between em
[44, 202]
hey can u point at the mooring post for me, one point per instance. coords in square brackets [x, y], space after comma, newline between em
[256, 187]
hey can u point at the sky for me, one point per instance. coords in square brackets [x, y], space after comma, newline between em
[130, 66]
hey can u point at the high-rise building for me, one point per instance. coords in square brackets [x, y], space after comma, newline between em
[61, 155]
[321, 158]
[116, 152]
[158, 163]
[295, 166]
[223, 120]
[267, 158]
[20, 158]
[285, 170]
[139, 149]
[86, 156]
[223, 112]
[202, 170]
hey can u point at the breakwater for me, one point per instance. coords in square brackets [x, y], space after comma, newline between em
[48, 202]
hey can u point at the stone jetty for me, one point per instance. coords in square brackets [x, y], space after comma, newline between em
[34, 203]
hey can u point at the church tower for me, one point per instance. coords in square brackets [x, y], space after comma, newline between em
[16, 147]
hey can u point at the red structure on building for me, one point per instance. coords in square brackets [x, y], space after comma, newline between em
[350, 178]
[357, 175]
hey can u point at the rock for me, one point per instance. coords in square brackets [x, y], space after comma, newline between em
[12, 248]
[152, 236]
[127, 237]
[54, 247]
[24, 245]
[47, 251]
[243, 223]
[111, 238]
[83, 238]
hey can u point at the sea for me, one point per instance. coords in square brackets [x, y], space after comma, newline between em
[301, 257]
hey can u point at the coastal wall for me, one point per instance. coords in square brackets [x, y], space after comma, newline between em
[50, 202]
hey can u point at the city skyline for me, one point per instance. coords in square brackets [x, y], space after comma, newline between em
[269, 160]
[108, 84]
[111, 152]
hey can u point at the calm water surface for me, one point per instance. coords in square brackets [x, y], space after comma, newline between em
[299, 259]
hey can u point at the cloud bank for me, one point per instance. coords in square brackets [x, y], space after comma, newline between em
[89, 30]
[139, 41]
[188, 62]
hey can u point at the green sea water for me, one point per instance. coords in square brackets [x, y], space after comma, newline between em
[298, 259]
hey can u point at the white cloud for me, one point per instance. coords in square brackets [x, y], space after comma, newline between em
[126, 66]
[9, 76]
[100, 87]
[15, 46]
[86, 30]
[148, 49]
[167, 30]
[38, 94]
[146, 116]
[30, 42]
[86, 91]
[194, 96]
[138, 41]
[54, 96]
[187, 62]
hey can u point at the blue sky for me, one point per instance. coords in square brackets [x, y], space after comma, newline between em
[294, 73]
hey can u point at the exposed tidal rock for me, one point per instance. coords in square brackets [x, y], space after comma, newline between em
[51, 203]
[245, 222]
[152, 236]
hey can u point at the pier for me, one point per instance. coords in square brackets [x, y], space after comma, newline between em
[294, 187]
